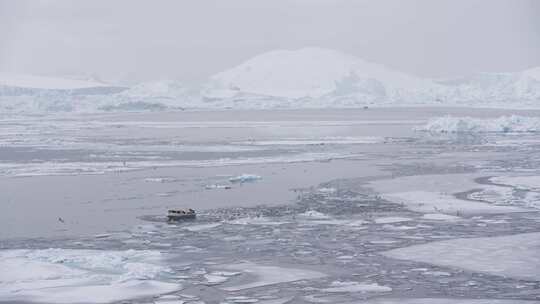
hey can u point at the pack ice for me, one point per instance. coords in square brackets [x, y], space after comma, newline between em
[514, 256]
[81, 276]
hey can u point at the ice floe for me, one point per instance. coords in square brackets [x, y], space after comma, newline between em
[506, 124]
[313, 215]
[264, 275]
[513, 256]
[82, 276]
[391, 219]
[434, 202]
[245, 178]
[530, 182]
[339, 286]
[443, 301]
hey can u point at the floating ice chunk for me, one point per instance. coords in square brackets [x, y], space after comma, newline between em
[215, 279]
[440, 217]
[258, 220]
[313, 215]
[200, 227]
[391, 219]
[81, 276]
[531, 182]
[316, 141]
[433, 202]
[160, 179]
[269, 275]
[217, 186]
[513, 256]
[327, 190]
[443, 301]
[513, 123]
[339, 286]
[245, 178]
[169, 299]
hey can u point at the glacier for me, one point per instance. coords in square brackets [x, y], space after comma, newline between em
[309, 77]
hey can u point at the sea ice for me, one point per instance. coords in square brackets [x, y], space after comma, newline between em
[391, 220]
[512, 256]
[531, 182]
[443, 301]
[313, 215]
[433, 202]
[81, 276]
[269, 275]
[506, 124]
[245, 178]
[440, 217]
[338, 286]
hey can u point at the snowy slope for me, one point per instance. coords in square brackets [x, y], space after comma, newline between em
[315, 73]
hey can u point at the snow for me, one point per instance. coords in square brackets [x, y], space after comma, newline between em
[513, 256]
[505, 124]
[312, 73]
[434, 202]
[81, 276]
[245, 178]
[339, 286]
[268, 275]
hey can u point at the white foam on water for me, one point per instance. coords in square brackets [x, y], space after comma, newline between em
[82, 276]
[269, 275]
[513, 256]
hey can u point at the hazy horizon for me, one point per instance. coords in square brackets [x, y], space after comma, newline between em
[140, 41]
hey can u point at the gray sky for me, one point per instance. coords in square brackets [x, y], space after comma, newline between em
[190, 40]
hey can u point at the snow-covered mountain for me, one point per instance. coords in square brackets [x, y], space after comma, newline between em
[304, 78]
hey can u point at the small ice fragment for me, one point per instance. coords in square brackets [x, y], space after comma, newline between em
[440, 217]
[339, 286]
[245, 178]
[313, 215]
[391, 219]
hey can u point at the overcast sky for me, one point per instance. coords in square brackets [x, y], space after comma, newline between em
[190, 40]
